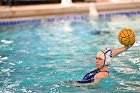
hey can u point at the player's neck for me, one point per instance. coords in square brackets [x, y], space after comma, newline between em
[105, 68]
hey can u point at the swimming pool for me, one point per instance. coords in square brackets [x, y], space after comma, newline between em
[37, 56]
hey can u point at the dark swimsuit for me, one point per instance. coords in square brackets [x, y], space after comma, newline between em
[89, 77]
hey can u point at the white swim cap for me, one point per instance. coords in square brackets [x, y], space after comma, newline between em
[106, 55]
[100, 54]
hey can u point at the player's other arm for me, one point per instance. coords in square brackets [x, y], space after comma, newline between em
[117, 51]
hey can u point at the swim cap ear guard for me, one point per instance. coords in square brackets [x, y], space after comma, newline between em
[107, 56]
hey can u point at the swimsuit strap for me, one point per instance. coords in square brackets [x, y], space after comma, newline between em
[104, 71]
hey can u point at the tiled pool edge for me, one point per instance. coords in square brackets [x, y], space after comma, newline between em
[67, 17]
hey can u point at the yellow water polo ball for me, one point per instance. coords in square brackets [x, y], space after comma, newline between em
[126, 37]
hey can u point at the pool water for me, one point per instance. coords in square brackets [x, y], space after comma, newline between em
[39, 57]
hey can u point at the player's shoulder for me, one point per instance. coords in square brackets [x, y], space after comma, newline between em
[101, 75]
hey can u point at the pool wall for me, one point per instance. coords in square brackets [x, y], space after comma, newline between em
[16, 21]
[58, 9]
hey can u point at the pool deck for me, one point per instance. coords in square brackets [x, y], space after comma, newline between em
[7, 12]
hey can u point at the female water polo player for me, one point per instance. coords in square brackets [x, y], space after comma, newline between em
[102, 62]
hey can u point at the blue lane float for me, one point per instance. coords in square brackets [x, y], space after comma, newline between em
[66, 18]
[120, 13]
[19, 22]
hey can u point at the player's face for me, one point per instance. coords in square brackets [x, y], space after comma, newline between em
[99, 62]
